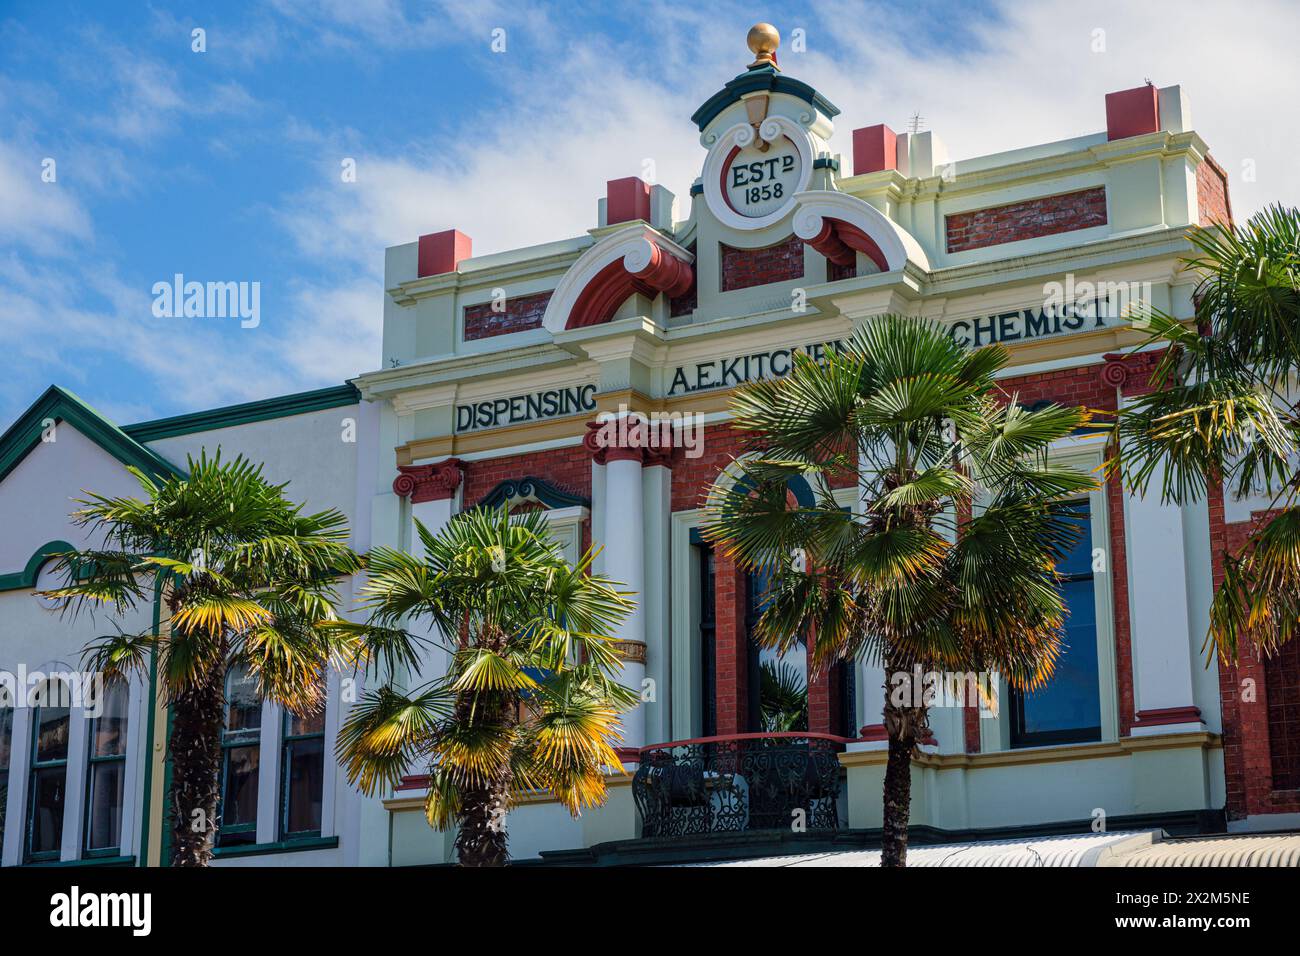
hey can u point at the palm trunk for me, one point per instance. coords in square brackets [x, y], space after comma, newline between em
[905, 725]
[195, 750]
[898, 801]
[482, 839]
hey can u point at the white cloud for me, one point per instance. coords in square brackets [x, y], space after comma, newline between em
[34, 213]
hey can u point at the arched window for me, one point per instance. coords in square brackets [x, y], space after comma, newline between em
[106, 770]
[48, 783]
[240, 759]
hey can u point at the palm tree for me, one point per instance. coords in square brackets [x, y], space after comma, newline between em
[1223, 408]
[919, 425]
[246, 580]
[783, 697]
[528, 701]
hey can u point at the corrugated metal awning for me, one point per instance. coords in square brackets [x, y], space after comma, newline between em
[1145, 848]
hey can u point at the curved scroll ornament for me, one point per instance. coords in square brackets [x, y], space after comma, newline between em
[436, 482]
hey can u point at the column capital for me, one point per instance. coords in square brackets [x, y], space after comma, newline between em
[630, 438]
[435, 482]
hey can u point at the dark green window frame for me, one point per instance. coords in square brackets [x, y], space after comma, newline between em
[289, 743]
[38, 769]
[250, 737]
[95, 761]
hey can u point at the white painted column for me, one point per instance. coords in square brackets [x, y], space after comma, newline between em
[136, 753]
[268, 773]
[74, 800]
[625, 563]
[1160, 622]
[20, 761]
[870, 678]
[435, 494]
[656, 485]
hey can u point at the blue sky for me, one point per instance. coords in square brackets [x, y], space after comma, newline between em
[225, 165]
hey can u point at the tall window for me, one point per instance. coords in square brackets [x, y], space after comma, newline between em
[1068, 708]
[240, 759]
[6, 742]
[48, 787]
[778, 682]
[106, 772]
[302, 758]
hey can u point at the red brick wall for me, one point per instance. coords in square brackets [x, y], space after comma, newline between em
[731, 647]
[1250, 760]
[1026, 220]
[745, 268]
[567, 468]
[522, 312]
[1212, 203]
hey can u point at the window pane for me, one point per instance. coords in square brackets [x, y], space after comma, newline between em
[295, 726]
[48, 792]
[108, 738]
[305, 785]
[52, 723]
[243, 706]
[104, 827]
[239, 799]
[1068, 707]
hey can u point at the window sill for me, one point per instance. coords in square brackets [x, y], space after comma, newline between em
[87, 861]
[283, 846]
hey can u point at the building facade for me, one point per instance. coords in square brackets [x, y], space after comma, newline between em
[493, 371]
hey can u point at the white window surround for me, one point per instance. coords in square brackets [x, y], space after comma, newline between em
[1086, 454]
[75, 789]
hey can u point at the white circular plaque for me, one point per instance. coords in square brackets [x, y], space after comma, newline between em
[759, 183]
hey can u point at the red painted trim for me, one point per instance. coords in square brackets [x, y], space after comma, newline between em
[859, 241]
[1132, 112]
[1169, 715]
[414, 782]
[722, 179]
[875, 148]
[436, 482]
[627, 200]
[667, 273]
[442, 252]
[830, 245]
[838, 241]
[873, 732]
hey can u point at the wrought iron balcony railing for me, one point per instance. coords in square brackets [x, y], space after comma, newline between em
[730, 784]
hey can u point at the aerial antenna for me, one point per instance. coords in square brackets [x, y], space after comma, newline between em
[915, 124]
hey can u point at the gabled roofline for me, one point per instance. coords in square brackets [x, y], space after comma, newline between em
[60, 405]
[281, 406]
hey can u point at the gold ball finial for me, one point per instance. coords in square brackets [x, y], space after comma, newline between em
[763, 41]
